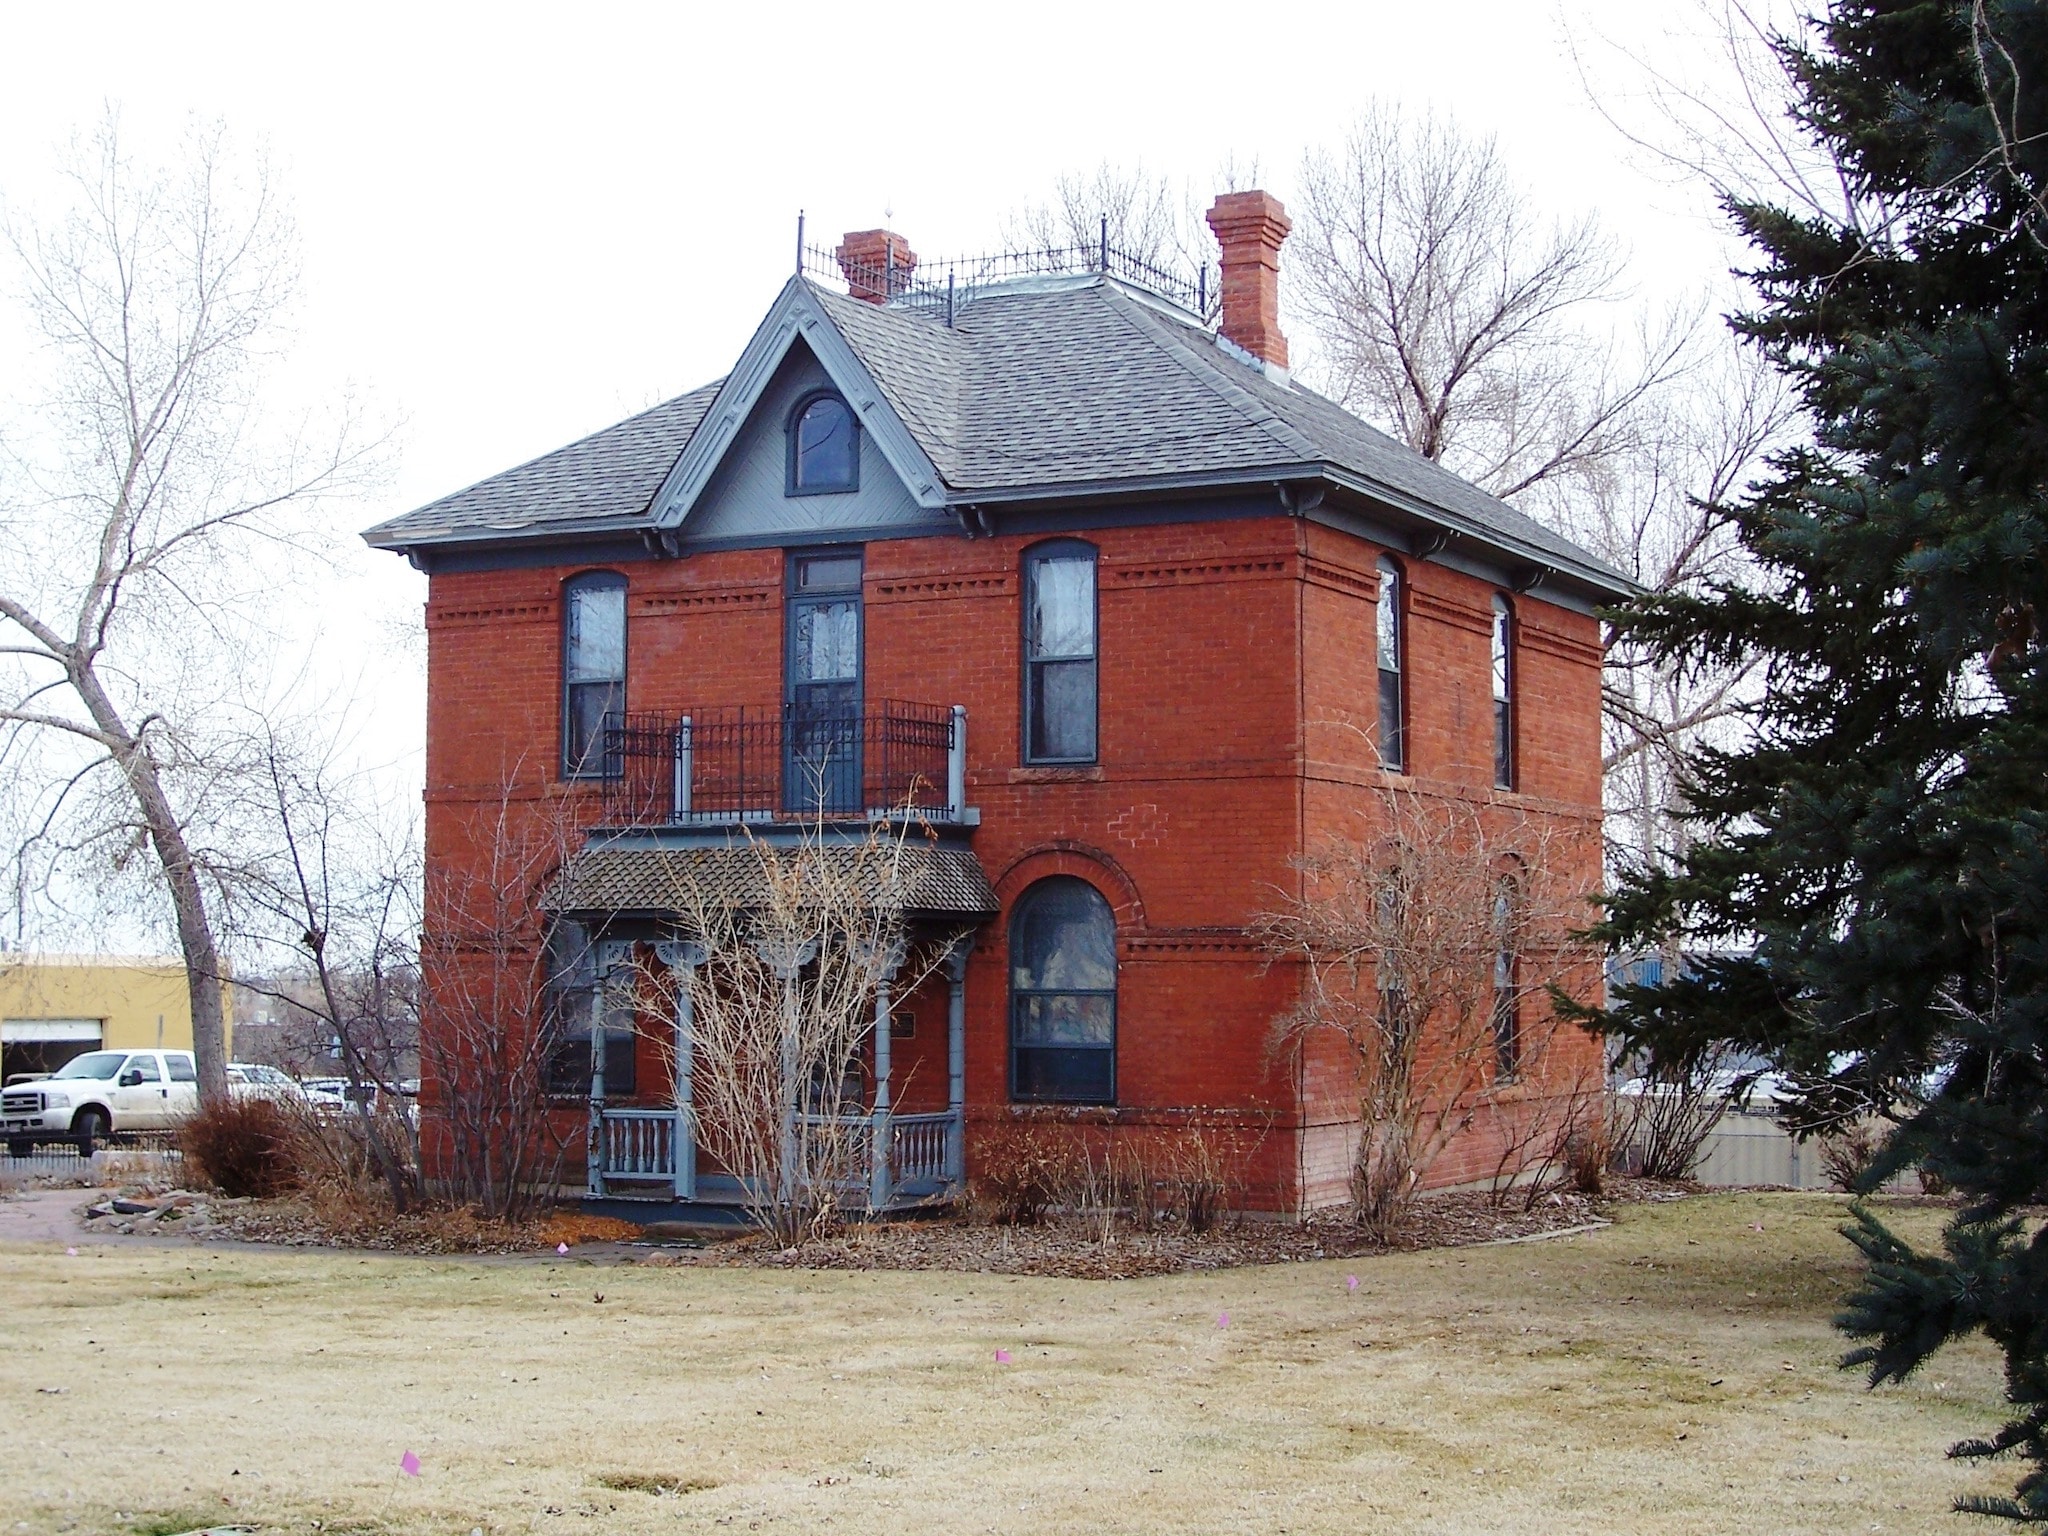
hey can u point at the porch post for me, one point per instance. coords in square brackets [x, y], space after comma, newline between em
[956, 766]
[956, 1060]
[682, 957]
[887, 962]
[785, 957]
[611, 956]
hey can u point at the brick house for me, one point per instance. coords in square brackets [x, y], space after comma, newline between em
[1069, 558]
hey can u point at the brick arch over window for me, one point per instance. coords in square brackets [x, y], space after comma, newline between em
[1085, 862]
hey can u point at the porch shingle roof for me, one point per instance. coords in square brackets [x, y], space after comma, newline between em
[938, 881]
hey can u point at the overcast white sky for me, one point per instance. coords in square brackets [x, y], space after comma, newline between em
[521, 223]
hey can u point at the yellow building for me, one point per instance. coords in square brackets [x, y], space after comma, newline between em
[54, 1007]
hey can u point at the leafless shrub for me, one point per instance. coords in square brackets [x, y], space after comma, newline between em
[1848, 1154]
[1587, 1154]
[1550, 1133]
[485, 1105]
[243, 1147]
[339, 899]
[1023, 1166]
[1658, 1127]
[1418, 948]
[783, 1007]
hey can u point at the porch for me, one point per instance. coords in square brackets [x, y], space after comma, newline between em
[880, 1159]
[872, 1155]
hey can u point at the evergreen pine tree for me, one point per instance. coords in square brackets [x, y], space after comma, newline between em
[1868, 893]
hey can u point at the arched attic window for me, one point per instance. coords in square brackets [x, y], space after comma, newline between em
[593, 667]
[824, 447]
[1063, 994]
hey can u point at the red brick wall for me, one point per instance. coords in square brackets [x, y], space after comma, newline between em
[1234, 684]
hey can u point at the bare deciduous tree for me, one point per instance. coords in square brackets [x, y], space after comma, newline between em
[1657, 512]
[1144, 215]
[1447, 309]
[340, 900]
[139, 494]
[1428, 948]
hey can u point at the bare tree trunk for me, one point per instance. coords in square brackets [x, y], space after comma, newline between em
[129, 564]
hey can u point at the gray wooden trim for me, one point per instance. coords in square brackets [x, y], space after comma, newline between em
[793, 315]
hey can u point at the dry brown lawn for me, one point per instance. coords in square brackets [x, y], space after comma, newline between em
[1673, 1373]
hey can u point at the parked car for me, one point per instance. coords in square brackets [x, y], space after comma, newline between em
[326, 1092]
[97, 1095]
[247, 1080]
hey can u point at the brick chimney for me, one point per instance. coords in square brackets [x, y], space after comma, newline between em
[1250, 227]
[877, 264]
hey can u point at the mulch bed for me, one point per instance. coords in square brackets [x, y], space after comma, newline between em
[1071, 1247]
[1063, 1245]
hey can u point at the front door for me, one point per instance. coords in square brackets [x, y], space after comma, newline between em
[822, 699]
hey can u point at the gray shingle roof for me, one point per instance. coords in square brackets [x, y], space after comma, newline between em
[599, 481]
[1063, 383]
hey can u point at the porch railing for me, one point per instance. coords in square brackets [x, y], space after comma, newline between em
[784, 763]
[918, 1153]
[639, 1147]
[640, 1143]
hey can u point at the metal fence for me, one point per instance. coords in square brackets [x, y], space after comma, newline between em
[1747, 1149]
[127, 1162]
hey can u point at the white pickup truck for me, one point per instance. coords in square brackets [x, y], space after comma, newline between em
[96, 1095]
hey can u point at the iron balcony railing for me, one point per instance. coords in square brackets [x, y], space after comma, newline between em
[938, 287]
[787, 762]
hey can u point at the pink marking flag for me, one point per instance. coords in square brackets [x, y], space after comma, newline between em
[409, 1464]
[70, 1253]
[1222, 1319]
[1002, 1357]
[562, 1248]
[1351, 1282]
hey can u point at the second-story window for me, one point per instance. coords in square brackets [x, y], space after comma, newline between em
[1059, 653]
[1392, 743]
[824, 447]
[1503, 693]
[593, 668]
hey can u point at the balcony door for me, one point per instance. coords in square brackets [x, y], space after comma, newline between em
[821, 763]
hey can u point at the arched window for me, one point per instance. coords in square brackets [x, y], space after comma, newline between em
[593, 668]
[1507, 1013]
[1503, 693]
[824, 447]
[1392, 738]
[1063, 995]
[1059, 653]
